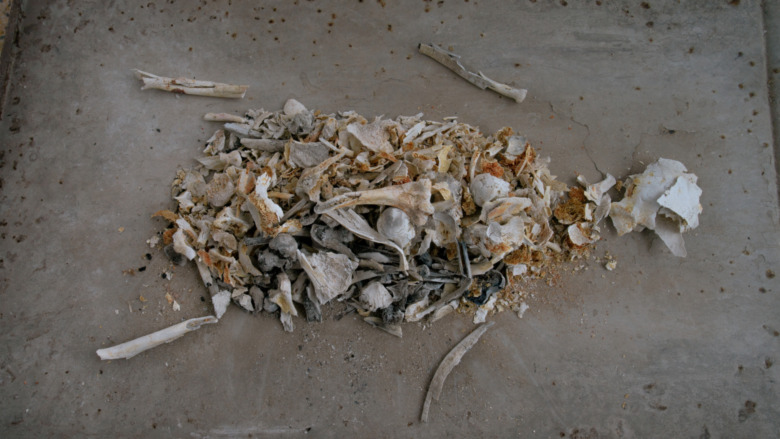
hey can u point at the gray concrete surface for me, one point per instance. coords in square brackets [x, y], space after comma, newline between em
[661, 347]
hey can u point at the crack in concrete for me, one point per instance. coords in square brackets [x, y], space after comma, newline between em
[584, 140]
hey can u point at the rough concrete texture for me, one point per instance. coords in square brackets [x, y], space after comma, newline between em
[661, 347]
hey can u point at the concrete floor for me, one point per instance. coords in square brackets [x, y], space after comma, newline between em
[661, 347]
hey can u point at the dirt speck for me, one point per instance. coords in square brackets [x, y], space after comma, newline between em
[747, 411]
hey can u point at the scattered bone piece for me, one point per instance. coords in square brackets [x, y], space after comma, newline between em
[449, 362]
[664, 188]
[190, 86]
[132, 348]
[452, 62]
[483, 310]
[221, 300]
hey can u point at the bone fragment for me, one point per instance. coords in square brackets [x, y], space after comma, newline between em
[447, 364]
[134, 347]
[452, 62]
[190, 86]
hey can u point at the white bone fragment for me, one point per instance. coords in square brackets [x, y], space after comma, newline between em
[485, 187]
[265, 145]
[683, 200]
[594, 192]
[307, 155]
[452, 62]
[519, 269]
[221, 300]
[264, 211]
[414, 198]
[243, 129]
[310, 182]
[293, 107]
[185, 201]
[372, 136]
[225, 239]
[215, 144]
[224, 117]
[245, 301]
[220, 190]
[375, 296]
[246, 261]
[503, 209]
[483, 310]
[330, 273]
[444, 311]
[516, 145]
[413, 132]
[181, 246]
[190, 86]
[665, 181]
[282, 296]
[227, 219]
[582, 233]
[220, 160]
[134, 347]
[287, 322]
[417, 310]
[395, 224]
[508, 236]
[449, 362]
[521, 309]
[358, 225]
[445, 229]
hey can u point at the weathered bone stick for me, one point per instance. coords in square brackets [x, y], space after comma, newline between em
[134, 347]
[191, 86]
[447, 364]
[452, 62]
